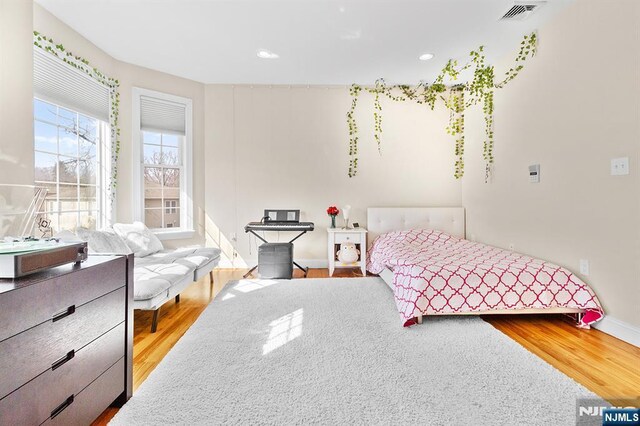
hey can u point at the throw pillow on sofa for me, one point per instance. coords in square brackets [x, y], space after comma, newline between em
[139, 238]
[106, 241]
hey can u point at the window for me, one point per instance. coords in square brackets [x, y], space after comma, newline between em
[72, 143]
[67, 148]
[163, 194]
[162, 171]
[170, 206]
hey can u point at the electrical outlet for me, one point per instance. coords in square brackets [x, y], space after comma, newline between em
[620, 166]
[584, 267]
[512, 246]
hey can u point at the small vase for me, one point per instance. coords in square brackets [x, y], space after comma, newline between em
[333, 221]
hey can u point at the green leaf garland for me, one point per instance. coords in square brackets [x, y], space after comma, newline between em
[81, 64]
[456, 98]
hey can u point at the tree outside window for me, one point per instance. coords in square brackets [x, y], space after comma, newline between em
[67, 163]
[162, 172]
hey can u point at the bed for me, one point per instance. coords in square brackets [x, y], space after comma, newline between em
[422, 254]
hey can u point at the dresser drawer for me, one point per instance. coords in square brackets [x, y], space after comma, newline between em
[34, 351]
[29, 405]
[86, 406]
[351, 237]
[26, 307]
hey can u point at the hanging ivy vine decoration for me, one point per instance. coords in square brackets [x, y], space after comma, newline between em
[81, 64]
[457, 98]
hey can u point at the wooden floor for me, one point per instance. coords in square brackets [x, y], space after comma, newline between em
[601, 363]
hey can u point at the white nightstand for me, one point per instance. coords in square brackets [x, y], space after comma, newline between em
[337, 236]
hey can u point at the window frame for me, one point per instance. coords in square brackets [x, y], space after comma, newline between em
[102, 132]
[186, 229]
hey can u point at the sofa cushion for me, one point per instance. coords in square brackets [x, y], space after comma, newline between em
[105, 241]
[139, 238]
[152, 279]
[204, 269]
[145, 289]
[190, 256]
[163, 256]
[198, 256]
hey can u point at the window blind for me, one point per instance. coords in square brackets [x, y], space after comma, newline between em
[161, 115]
[60, 83]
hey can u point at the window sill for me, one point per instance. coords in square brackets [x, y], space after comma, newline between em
[179, 234]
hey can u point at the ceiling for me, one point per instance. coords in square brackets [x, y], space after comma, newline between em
[318, 41]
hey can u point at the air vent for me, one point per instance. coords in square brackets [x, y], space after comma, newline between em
[522, 10]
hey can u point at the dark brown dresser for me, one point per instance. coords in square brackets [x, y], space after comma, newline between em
[66, 342]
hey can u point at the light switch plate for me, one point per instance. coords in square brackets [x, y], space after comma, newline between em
[620, 166]
[584, 267]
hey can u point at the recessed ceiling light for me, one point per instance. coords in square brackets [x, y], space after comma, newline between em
[426, 56]
[265, 54]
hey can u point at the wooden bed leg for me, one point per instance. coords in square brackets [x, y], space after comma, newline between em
[419, 319]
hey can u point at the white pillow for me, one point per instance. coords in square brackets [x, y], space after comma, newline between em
[106, 241]
[139, 238]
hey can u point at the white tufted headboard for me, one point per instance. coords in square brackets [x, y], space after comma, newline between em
[387, 219]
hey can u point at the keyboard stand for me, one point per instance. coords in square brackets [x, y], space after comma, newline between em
[305, 270]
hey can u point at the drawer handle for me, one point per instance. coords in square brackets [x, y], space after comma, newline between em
[70, 310]
[62, 407]
[62, 361]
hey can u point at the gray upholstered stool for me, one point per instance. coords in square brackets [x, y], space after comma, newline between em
[275, 260]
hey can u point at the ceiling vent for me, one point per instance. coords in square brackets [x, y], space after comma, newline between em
[522, 10]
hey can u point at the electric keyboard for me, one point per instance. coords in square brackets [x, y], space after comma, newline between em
[279, 226]
[279, 220]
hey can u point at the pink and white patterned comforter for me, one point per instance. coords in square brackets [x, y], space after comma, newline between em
[436, 273]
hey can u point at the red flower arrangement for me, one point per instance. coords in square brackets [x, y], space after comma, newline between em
[333, 211]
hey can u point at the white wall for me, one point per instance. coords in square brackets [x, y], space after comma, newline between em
[281, 147]
[16, 88]
[574, 107]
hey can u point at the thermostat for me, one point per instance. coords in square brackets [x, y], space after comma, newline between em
[534, 173]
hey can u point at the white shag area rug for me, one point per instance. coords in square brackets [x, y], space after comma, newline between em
[333, 352]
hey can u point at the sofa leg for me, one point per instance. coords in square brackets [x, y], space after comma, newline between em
[177, 298]
[154, 322]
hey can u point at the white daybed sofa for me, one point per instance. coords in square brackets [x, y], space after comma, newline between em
[159, 274]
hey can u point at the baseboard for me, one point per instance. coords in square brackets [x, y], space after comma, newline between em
[313, 263]
[310, 263]
[619, 329]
